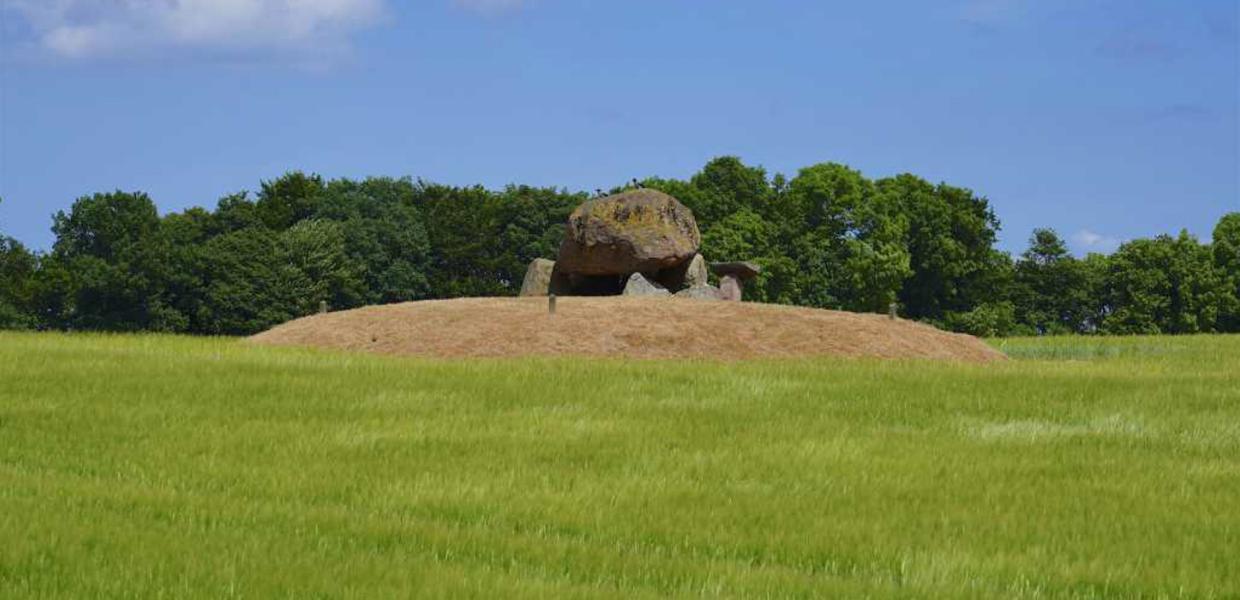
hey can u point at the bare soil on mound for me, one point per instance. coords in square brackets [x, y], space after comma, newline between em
[622, 327]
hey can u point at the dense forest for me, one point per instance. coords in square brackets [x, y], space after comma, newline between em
[828, 237]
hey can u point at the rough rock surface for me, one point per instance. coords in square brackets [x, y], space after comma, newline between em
[730, 288]
[686, 275]
[697, 274]
[638, 231]
[701, 292]
[742, 269]
[638, 285]
[541, 278]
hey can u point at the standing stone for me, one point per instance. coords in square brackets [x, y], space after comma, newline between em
[542, 278]
[638, 231]
[697, 274]
[692, 273]
[732, 277]
[730, 288]
[638, 285]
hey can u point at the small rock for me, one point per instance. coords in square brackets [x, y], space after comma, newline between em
[638, 285]
[700, 292]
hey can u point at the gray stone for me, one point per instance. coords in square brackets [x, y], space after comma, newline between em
[689, 274]
[732, 278]
[696, 274]
[638, 231]
[741, 269]
[730, 288]
[638, 285]
[542, 278]
[700, 292]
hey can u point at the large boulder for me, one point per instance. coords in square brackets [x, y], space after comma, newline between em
[638, 231]
[542, 278]
[638, 285]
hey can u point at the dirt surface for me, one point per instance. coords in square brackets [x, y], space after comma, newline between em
[621, 327]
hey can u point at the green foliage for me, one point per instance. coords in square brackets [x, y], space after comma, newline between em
[1166, 284]
[950, 241]
[109, 266]
[1052, 290]
[1226, 248]
[828, 238]
[993, 319]
[163, 466]
[17, 272]
[289, 199]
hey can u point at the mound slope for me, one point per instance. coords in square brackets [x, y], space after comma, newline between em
[625, 327]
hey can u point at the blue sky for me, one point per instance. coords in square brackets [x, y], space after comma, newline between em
[1106, 119]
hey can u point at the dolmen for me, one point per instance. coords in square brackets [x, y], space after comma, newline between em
[640, 242]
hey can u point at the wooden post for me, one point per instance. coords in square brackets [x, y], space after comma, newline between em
[322, 307]
[891, 311]
[551, 304]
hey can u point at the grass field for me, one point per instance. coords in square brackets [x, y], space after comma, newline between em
[176, 467]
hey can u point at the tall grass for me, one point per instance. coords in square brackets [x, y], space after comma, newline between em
[163, 466]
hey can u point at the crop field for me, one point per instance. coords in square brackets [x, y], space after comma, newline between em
[188, 467]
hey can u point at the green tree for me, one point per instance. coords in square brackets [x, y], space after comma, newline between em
[17, 273]
[247, 284]
[851, 239]
[109, 265]
[1226, 249]
[1051, 291]
[288, 199]
[950, 241]
[385, 239]
[1164, 285]
[315, 249]
[723, 187]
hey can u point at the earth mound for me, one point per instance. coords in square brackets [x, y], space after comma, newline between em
[621, 327]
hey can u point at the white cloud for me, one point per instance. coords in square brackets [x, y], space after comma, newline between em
[91, 28]
[1089, 241]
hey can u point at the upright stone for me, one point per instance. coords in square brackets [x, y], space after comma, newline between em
[542, 278]
[697, 274]
[638, 231]
[638, 285]
[732, 277]
[692, 273]
[730, 288]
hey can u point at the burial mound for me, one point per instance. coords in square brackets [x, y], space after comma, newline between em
[622, 327]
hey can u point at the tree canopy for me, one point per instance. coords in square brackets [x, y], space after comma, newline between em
[828, 237]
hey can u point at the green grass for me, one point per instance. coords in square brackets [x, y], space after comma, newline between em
[176, 467]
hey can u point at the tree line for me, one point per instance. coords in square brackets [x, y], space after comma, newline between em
[828, 237]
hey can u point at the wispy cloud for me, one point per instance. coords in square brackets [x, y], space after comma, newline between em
[1089, 241]
[85, 29]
